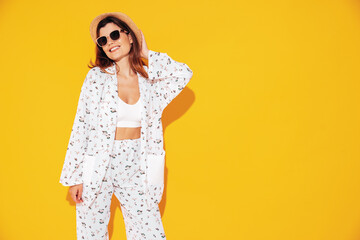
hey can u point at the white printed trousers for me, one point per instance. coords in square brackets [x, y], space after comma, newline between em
[124, 180]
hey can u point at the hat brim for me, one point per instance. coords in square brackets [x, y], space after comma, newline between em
[122, 16]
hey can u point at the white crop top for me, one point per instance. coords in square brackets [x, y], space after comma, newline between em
[129, 115]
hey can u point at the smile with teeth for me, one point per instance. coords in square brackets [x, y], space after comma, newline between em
[114, 48]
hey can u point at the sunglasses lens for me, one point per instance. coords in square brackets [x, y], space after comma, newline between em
[102, 41]
[115, 35]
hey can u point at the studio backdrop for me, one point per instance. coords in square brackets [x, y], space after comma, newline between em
[263, 143]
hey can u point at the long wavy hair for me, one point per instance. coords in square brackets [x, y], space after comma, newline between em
[102, 60]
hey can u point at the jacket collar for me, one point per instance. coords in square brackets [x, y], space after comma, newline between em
[112, 68]
[113, 80]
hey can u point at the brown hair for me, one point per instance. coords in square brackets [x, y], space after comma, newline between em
[102, 60]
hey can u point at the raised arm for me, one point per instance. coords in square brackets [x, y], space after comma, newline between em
[72, 169]
[173, 76]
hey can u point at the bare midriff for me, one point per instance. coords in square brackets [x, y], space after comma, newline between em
[127, 133]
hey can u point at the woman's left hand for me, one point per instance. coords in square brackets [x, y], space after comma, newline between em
[144, 49]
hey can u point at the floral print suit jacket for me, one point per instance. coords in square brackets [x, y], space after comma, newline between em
[93, 133]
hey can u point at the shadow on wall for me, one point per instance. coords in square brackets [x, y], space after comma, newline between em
[177, 108]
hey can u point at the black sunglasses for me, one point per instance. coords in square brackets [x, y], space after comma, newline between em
[114, 35]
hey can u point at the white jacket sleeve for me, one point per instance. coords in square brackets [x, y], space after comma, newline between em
[72, 169]
[173, 76]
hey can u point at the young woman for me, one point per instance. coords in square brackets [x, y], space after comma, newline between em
[116, 142]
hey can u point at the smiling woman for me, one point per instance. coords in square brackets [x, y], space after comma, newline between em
[116, 42]
[116, 143]
[127, 36]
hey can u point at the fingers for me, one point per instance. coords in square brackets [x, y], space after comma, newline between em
[72, 194]
[79, 195]
[144, 47]
[142, 37]
[76, 193]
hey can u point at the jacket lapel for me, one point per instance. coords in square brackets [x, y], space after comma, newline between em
[107, 126]
[108, 104]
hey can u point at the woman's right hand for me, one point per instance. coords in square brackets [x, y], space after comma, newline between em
[76, 193]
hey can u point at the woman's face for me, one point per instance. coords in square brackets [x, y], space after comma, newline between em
[123, 43]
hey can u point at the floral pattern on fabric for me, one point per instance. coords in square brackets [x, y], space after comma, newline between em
[124, 181]
[93, 131]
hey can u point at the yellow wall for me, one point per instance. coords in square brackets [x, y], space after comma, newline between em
[262, 144]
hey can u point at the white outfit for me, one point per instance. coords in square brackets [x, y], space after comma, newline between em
[123, 179]
[129, 115]
[91, 144]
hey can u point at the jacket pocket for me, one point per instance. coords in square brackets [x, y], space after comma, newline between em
[156, 164]
[88, 167]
